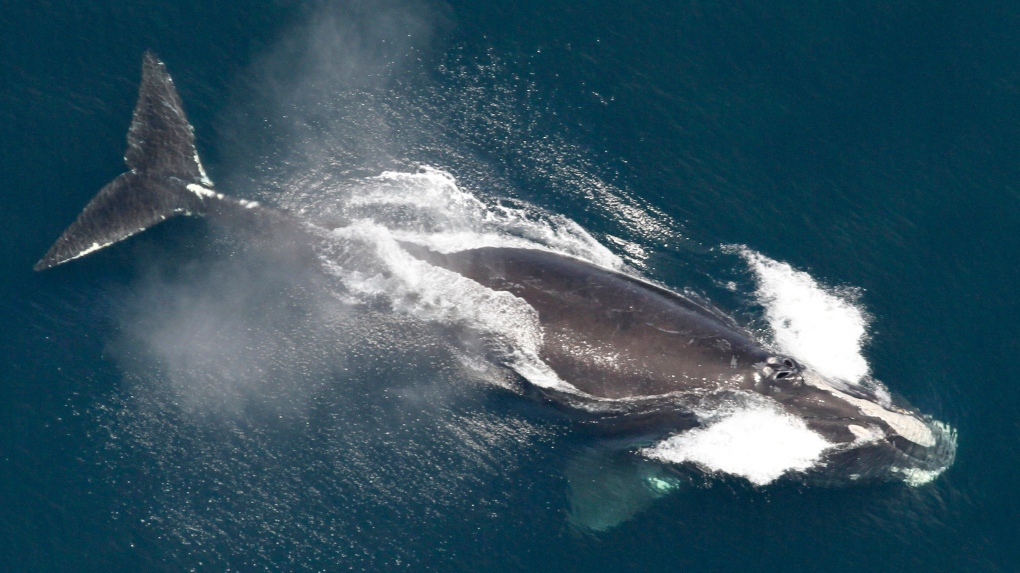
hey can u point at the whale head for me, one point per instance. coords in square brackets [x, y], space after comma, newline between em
[873, 438]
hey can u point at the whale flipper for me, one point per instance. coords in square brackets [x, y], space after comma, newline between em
[163, 160]
[608, 488]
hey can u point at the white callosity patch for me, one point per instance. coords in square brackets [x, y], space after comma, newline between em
[866, 434]
[818, 326]
[906, 425]
[758, 444]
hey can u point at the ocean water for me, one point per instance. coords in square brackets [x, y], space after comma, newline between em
[839, 178]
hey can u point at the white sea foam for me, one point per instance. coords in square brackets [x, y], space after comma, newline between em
[429, 209]
[758, 444]
[821, 327]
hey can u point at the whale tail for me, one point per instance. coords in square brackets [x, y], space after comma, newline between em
[163, 163]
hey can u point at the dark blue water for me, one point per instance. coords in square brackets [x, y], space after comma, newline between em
[872, 144]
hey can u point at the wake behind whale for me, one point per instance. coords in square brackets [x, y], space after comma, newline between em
[671, 378]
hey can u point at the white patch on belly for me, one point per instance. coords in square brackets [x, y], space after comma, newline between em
[866, 435]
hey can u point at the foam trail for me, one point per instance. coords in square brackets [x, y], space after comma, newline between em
[820, 327]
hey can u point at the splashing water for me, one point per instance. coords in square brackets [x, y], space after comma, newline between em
[758, 444]
[821, 327]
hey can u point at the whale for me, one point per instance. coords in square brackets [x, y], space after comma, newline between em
[637, 361]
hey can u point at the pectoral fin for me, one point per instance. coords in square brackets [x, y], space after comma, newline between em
[608, 488]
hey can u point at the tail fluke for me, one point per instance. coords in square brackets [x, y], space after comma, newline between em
[164, 163]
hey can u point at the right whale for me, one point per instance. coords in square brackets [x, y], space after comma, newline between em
[638, 362]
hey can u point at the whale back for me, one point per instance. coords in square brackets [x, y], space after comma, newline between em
[612, 335]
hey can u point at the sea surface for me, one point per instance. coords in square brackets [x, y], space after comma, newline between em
[840, 177]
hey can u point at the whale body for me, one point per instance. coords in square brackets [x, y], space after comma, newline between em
[629, 350]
